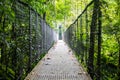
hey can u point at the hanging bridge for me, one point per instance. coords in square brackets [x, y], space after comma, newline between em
[32, 38]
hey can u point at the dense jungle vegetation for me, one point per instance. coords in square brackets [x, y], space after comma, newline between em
[22, 34]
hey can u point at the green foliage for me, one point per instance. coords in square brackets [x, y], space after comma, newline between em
[77, 36]
[15, 39]
[65, 12]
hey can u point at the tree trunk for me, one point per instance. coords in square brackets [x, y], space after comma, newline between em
[92, 39]
[99, 41]
[86, 53]
[119, 60]
[118, 70]
[44, 15]
[118, 40]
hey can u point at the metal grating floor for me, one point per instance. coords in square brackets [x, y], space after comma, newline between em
[58, 77]
[58, 64]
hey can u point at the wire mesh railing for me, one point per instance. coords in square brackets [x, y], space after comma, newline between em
[23, 41]
[78, 37]
[78, 34]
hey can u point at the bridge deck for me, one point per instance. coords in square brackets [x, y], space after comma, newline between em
[58, 64]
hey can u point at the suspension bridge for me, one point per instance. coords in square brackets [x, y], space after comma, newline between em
[33, 37]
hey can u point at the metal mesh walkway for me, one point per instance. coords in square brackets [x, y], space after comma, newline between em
[58, 64]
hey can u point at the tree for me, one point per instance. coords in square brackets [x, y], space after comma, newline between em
[99, 41]
[92, 39]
